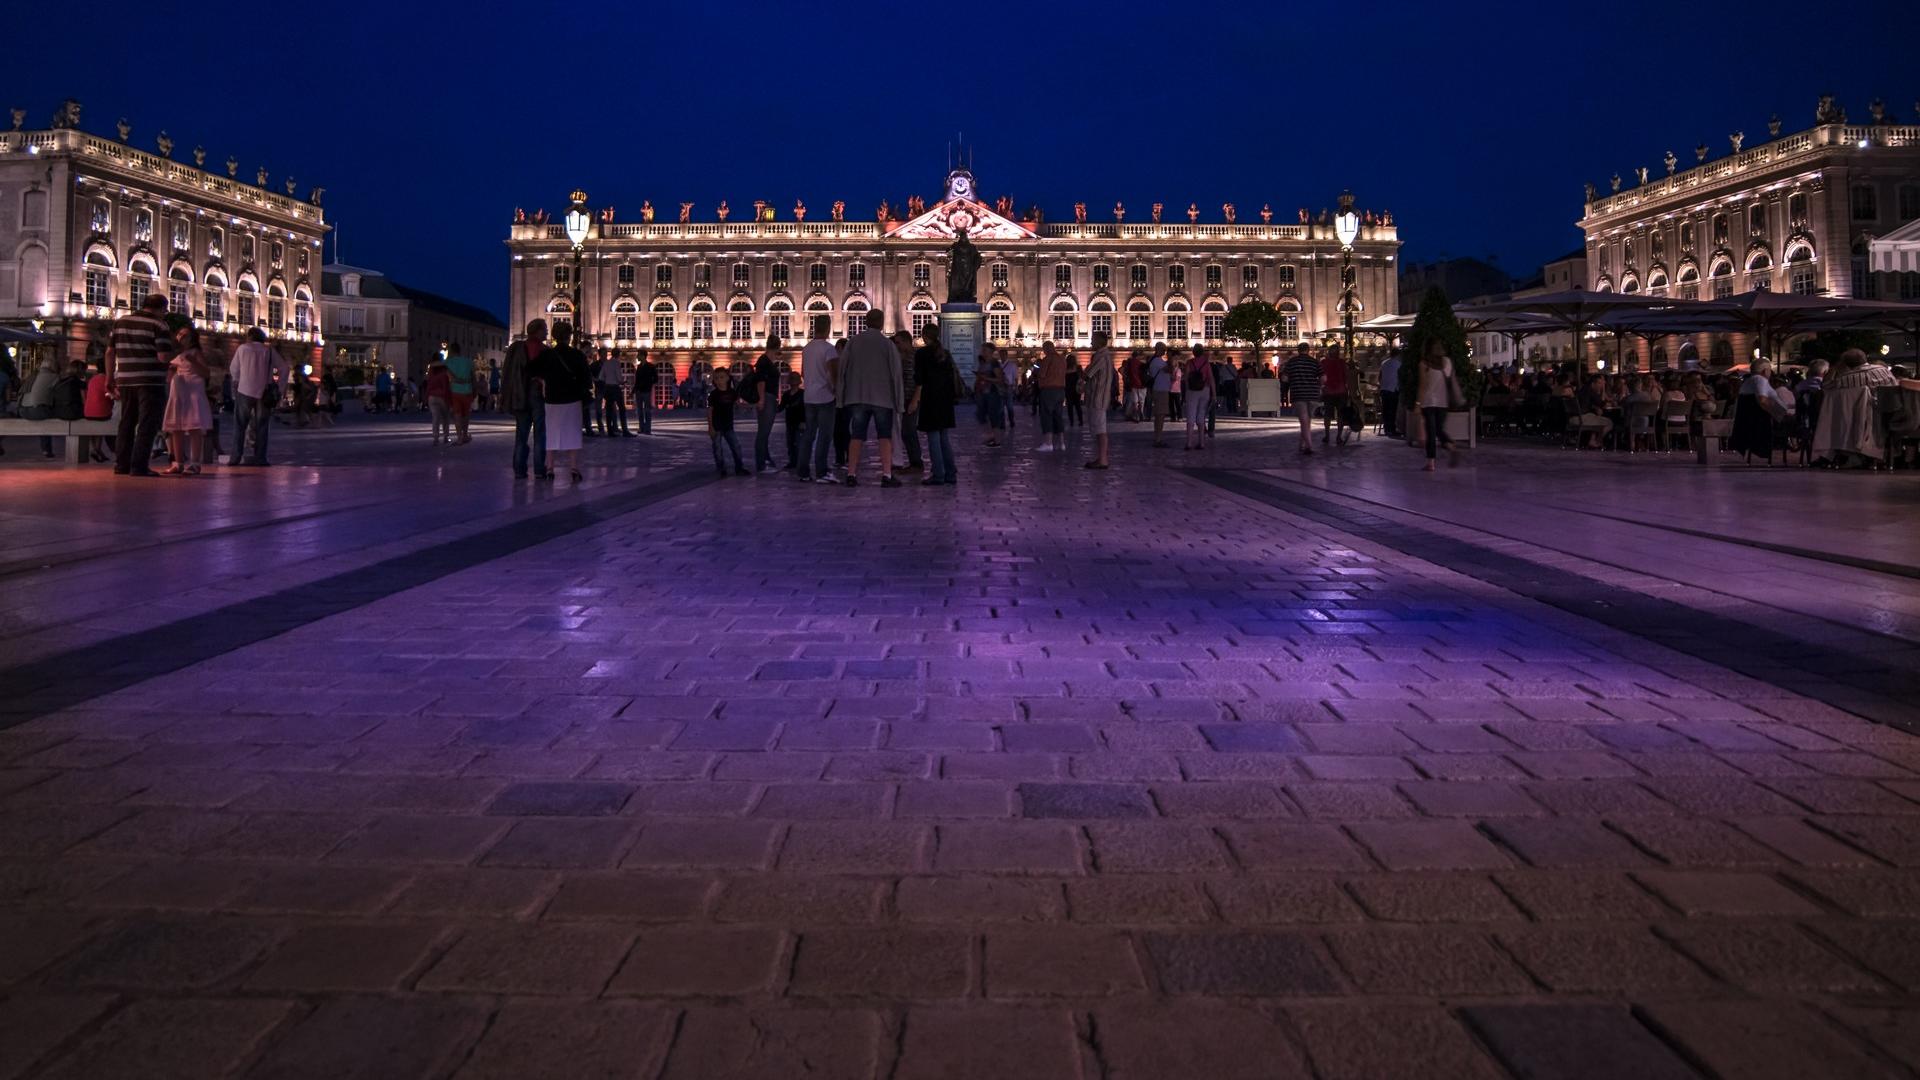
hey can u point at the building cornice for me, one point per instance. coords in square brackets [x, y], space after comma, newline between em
[181, 181]
[868, 231]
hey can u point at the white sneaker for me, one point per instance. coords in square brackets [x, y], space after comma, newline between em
[1043, 448]
[825, 478]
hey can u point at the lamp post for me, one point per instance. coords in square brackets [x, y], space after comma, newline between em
[1346, 225]
[578, 222]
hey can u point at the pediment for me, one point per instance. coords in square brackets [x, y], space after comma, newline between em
[945, 220]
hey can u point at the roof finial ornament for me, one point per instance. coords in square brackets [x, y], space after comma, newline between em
[1773, 126]
[1616, 181]
[233, 167]
[1829, 111]
[1736, 139]
[1700, 152]
[67, 115]
[1878, 110]
[1641, 173]
[1671, 162]
[199, 157]
[19, 118]
[164, 143]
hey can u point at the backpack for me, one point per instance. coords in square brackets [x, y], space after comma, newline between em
[1195, 379]
[749, 389]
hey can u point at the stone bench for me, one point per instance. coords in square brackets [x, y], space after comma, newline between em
[72, 430]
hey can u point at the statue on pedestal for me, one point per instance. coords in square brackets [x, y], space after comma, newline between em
[646, 211]
[1266, 213]
[722, 211]
[1079, 213]
[1119, 212]
[1157, 208]
[1227, 209]
[839, 209]
[686, 212]
[963, 265]
[799, 210]
[1193, 213]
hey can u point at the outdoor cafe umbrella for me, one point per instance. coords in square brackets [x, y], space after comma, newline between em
[13, 335]
[1774, 317]
[1573, 310]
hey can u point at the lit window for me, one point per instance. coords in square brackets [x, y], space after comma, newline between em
[1289, 327]
[998, 274]
[702, 327]
[663, 327]
[1214, 326]
[1177, 276]
[247, 308]
[177, 298]
[1063, 326]
[1722, 288]
[138, 287]
[1102, 275]
[101, 218]
[1103, 324]
[1686, 236]
[215, 305]
[922, 275]
[562, 276]
[1284, 275]
[856, 275]
[1139, 327]
[1719, 234]
[1250, 277]
[625, 274]
[856, 322]
[1063, 276]
[919, 320]
[742, 275]
[215, 241]
[302, 321]
[98, 293]
[999, 326]
[182, 234]
[817, 275]
[1177, 328]
[142, 227]
[276, 312]
[779, 325]
[626, 327]
[779, 275]
[740, 327]
[1800, 280]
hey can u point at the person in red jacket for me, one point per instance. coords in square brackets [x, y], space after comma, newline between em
[98, 406]
[439, 394]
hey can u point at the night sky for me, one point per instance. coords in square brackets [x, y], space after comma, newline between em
[428, 122]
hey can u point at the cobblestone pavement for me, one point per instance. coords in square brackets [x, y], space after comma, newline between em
[1055, 774]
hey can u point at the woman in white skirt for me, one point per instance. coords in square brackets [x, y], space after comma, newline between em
[561, 379]
[189, 414]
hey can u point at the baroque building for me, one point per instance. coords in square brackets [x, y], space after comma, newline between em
[715, 289]
[372, 321]
[1793, 212]
[89, 226]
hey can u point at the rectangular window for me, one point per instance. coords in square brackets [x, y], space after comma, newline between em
[276, 313]
[742, 275]
[137, 289]
[663, 328]
[663, 276]
[779, 326]
[703, 328]
[1214, 325]
[779, 275]
[1102, 275]
[1249, 277]
[999, 326]
[1910, 286]
[1722, 287]
[1686, 236]
[740, 327]
[1177, 328]
[918, 320]
[215, 308]
[999, 275]
[98, 295]
[1289, 327]
[177, 298]
[1284, 275]
[1690, 291]
[1800, 280]
[1866, 203]
[1909, 202]
[246, 309]
[1103, 324]
[626, 327]
[1719, 237]
[1137, 275]
[1063, 326]
[1213, 275]
[1863, 284]
[1139, 327]
[301, 318]
[856, 323]
[1176, 276]
[625, 274]
[856, 275]
[922, 275]
[1063, 276]
[817, 275]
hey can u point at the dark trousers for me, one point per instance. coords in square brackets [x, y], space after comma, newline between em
[1390, 411]
[910, 434]
[1076, 413]
[763, 434]
[140, 409]
[796, 432]
[250, 416]
[530, 440]
[842, 435]
[613, 404]
[643, 410]
[731, 443]
[940, 456]
[1436, 425]
[820, 434]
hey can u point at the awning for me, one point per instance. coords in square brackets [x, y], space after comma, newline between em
[1898, 252]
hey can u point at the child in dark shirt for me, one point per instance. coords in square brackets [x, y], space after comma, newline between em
[793, 406]
[720, 403]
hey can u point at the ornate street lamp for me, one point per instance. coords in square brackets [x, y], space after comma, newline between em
[1346, 225]
[578, 222]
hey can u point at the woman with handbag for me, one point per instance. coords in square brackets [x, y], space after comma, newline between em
[1439, 391]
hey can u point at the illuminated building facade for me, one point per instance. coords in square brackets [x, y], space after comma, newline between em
[90, 226]
[1794, 213]
[716, 288]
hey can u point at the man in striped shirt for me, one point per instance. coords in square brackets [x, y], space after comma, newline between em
[138, 353]
[1302, 376]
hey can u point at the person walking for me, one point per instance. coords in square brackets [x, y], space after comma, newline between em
[1437, 390]
[937, 391]
[1197, 385]
[1097, 385]
[1333, 397]
[720, 405]
[189, 414]
[560, 375]
[517, 398]
[1133, 383]
[764, 395]
[645, 377]
[819, 372]
[611, 382]
[1159, 379]
[1390, 394]
[989, 386]
[137, 360]
[1302, 376]
[383, 391]
[439, 392]
[255, 369]
[909, 417]
[459, 370]
[870, 389]
[1051, 385]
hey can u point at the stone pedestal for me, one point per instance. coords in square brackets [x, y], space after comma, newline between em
[962, 328]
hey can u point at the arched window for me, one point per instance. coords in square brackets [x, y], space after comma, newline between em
[1657, 282]
[1628, 284]
[1064, 322]
[780, 318]
[856, 309]
[1178, 325]
[1688, 356]
[1722, 352]
[302, 308]
[1800, 276]
[919, 314]
[99, 275]
[140, 275]
[213, 296]
[626, 320]
[1758, 260]
[248, 292]
[819, 305]
[180, 288]
[1000, 320]
[662, 310]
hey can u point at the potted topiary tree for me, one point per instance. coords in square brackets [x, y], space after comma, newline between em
[1435, 321]
[1259, 324]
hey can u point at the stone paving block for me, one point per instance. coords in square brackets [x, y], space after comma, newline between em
[1428, 845]
[855, 848]
[317, 890]
[1282, 847]
[728, 733]
[546, 959]
[163, 1038]
[1575, 1042]
[723, 845]
[1890, 840]
[32, 1025]
[1348, 800]
[969, 900]
[166, 954]
[599, 1040]
[1717, 893]
[701, 961]
[1136, 901]
[319, 959]
[879, 765]
[1220, 1042]
[1124, 767]
[559, 843]
[629, 896]
[1571, 959]
[1597, 798]
[1422, 898]
[1243, 738]
[1368, 1041]
[421, 839]
[1025, 847]
[1002, 1042]
[784, 765]
[1561, 843]
[1221, 801]
[1825, 795]
[1425, 962]
[1240, 963]
[1059, 962]
[366, 1037]
[1049, 738]
[999, 766]
[735, 1042]
[473, 892]
[1563, 896]
[892, 964]
[1894, 1031]
[786, 900]
[1770, 956]
[1735, 1038]
[579, 798]
[822, 801]
[1282, 900]
[1887, 948]
[1155, 848]
[953, 799]
[1084, 801]
[1358, 767]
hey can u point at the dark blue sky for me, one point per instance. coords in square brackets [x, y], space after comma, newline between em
[428, 122]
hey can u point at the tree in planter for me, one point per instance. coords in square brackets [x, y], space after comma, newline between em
[1435, 321]
[1255, 322]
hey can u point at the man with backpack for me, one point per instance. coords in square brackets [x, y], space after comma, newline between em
[1159, 379]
